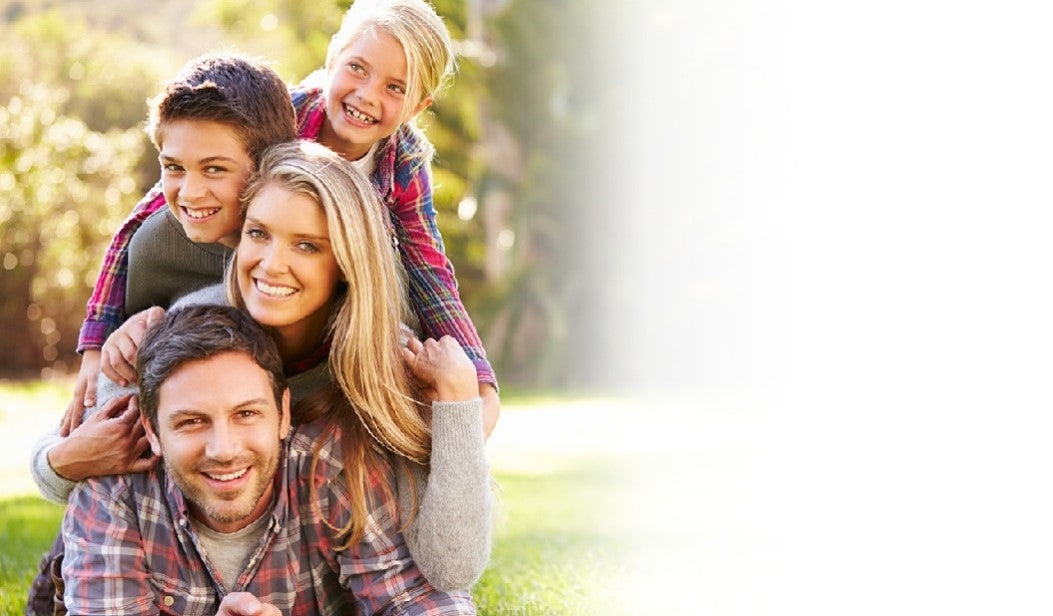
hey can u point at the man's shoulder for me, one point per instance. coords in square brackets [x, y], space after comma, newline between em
[132, 489]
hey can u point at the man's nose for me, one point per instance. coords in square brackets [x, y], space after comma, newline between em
[223, 444]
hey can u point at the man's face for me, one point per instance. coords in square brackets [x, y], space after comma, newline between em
[219, 430]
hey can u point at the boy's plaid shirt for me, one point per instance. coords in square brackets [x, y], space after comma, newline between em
[403, 181]
[131, 549]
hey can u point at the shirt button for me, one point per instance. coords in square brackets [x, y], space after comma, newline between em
[169, 600]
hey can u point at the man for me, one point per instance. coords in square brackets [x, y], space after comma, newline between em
[229, 522]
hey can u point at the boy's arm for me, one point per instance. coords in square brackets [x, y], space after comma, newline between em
[104, 567]
[105, 310]
[432, 286]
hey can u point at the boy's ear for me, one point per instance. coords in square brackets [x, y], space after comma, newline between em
[422, 106]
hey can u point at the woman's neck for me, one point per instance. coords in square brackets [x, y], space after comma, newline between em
[298, 340]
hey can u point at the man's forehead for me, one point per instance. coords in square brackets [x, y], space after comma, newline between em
[216, 383]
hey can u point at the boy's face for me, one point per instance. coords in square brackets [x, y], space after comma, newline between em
[365, 94]
[219, 430]
[204, 168]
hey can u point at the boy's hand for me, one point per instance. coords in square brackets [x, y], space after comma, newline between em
[118, 354]
[245, 604]
[83, 391]
[107, 443]
[442, 367]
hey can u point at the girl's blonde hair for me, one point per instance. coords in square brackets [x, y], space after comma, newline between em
[364, 357]
[420, 31]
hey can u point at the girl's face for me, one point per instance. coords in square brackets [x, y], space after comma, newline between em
[366, 94]
[287, 272]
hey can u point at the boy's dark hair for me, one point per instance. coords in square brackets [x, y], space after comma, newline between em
[200, 332]
[241, 92]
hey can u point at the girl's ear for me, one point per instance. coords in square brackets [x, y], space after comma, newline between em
[422, 106]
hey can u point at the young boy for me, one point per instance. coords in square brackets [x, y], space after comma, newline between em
[210, 125]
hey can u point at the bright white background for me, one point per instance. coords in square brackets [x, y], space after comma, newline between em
[835, 247]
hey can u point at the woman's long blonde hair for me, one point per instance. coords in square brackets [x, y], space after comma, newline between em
[364, 355]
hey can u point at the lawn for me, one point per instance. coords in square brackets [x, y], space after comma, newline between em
[557, 547]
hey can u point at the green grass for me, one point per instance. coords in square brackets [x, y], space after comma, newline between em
[22, 396]
[28, 526]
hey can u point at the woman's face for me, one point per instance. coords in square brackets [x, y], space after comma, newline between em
[287, 272]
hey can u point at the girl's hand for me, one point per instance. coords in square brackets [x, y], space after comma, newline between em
[107, 443]
[83, 392]
[118, 354]
[491, 408]
[443, 368]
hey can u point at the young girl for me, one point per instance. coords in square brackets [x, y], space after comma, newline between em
[311, 266]
[382, 69]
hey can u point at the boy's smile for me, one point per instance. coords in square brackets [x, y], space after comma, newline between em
[204, 168]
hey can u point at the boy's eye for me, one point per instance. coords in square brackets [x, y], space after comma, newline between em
[171, 168]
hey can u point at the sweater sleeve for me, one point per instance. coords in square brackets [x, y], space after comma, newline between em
[55, 487]
[450, 536]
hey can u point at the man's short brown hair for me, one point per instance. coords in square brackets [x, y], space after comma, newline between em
[241, 92]
[200, 332]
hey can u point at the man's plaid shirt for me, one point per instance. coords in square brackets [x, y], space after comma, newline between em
[131, 549]
[403, 181]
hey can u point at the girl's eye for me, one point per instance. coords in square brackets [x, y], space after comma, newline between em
[256, 234]
[397, 89]
[355, 67]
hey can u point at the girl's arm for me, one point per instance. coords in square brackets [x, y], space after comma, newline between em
[105, 310]
[432, 285]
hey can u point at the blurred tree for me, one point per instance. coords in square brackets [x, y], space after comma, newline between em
[63, 189]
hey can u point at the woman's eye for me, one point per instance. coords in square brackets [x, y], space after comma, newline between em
[213, 169]
[255, 234]
[307, 247]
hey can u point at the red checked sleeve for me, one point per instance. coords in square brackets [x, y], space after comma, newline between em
[105, 311]
[432, 285]
[104, 567]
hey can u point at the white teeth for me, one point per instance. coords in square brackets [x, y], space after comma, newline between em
[277, 291]
[228, 476]
[359, 115]
[199, 213]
